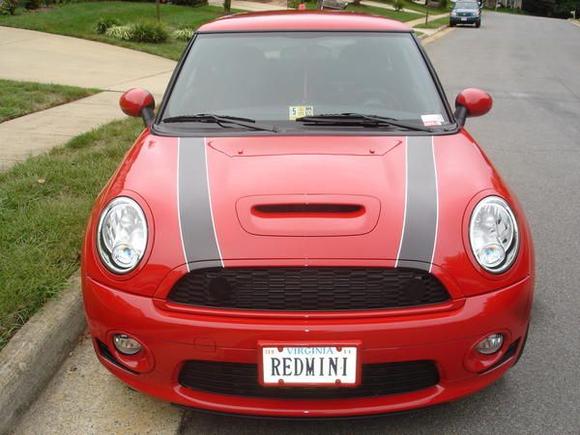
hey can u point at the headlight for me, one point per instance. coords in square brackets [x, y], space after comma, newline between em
[122, 235]
[493, 234]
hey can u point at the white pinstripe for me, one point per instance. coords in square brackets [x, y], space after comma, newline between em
[437, 202]
[217, 242]
[405, 146]
[179, 208]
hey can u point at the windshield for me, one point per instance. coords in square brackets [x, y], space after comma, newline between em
[466, 6]
[283, 76]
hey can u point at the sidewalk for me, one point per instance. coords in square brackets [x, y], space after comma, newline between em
[38, 132]
[41, 57]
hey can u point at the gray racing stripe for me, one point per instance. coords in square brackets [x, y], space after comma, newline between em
[195, 215]
[421, 209]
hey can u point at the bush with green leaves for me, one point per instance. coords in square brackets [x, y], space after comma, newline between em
[105, 24]
[183, 34]
[8, 7]
[139, 32]
[193, 3]
[149, 32]
[123, 33]
[399, 5]
[33, 4]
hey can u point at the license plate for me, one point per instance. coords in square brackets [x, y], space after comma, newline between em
[291, 365]
[464, 19]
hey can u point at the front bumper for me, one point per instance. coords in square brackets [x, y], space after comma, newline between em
[463, 20]
[445, 335]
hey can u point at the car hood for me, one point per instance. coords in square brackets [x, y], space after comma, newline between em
[298, 201]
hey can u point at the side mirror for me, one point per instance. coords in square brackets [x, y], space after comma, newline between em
[138, 102]
[471, 102]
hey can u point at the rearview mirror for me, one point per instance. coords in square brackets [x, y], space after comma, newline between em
[138, 102]
[471, 102]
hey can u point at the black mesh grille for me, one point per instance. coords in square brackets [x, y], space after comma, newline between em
[308, 289]
[242, 380]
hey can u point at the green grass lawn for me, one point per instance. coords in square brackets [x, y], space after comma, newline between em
[435, 24]
[387, 13]
[20, 98]
[79, 19]
[408, 4]
[44, 205]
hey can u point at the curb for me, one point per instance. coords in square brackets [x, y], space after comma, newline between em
[36, 352]
[575, 22]
[439, 33]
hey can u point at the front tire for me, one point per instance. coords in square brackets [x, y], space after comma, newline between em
[478, 24]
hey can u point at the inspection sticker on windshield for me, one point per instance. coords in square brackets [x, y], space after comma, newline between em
[296, 112]
[431, 120]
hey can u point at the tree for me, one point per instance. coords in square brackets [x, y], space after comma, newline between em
[227, 6]
[562, 8]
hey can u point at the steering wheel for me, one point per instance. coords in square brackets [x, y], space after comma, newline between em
[378, 98]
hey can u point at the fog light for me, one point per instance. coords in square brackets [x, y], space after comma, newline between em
[125, 344]
[490, 344]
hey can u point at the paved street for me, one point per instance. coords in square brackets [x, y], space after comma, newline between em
[532, 68]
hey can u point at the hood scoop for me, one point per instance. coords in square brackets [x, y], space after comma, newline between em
[308, 215]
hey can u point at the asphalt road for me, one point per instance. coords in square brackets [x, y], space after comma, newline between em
[531, 66]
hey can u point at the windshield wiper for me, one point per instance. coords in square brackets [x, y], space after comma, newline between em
[359, 119]
[221, 120]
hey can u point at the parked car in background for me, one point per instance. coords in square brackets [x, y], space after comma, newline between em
[465, 12]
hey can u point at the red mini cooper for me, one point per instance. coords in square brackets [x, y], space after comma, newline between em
[305, 229]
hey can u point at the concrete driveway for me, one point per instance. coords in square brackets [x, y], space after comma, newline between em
[27, 55]
[531, 66]
[46, 58]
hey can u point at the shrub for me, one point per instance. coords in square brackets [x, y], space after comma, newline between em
[140, 32]
[194, 3]
[398, 4]
[8, 7]
[105, 23]
[124, 33]
[32, 4]
[183, 34]
[149, 32]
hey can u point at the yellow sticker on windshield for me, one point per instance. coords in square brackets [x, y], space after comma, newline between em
[296, 112]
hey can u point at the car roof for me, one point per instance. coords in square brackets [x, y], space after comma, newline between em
[303, 21]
